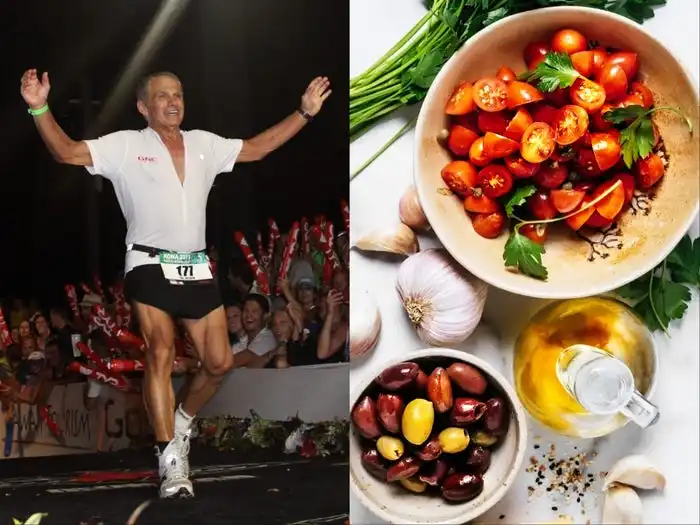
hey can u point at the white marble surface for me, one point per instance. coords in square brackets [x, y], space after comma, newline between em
[673, 443]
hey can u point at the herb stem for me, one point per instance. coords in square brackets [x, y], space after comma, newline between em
[651, 297]
[385, 147]
[677, 111]
[382, 93]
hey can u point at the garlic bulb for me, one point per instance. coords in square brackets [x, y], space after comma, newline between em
[365, 323]
[410, 210]
[443, 300]
[636, 471]
[622, 505]
[399, 240]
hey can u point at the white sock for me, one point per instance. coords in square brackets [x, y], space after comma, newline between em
[183, 421]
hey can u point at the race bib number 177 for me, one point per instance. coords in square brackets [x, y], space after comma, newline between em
[185, 267]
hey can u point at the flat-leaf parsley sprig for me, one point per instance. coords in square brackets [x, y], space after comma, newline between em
[554, 72]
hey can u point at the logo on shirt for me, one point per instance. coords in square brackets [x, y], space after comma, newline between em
[142, 158]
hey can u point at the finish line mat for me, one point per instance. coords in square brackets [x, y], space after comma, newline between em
[229, 488]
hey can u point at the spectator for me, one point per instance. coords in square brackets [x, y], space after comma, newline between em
[42, 331]
[234, 323]
[59, 322]
[14, 334]
[258, 347]
[25, 329]
[334, 333]
[89, 301]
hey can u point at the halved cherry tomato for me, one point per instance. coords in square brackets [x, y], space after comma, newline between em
[583, 62]
[468, 121]
[506, 74]
[518, 124]
[627, 183]
[495, 122]
[584, 141]
[497, 146]
[540, 205]
[520, 93]
[614, 81]
[559, 97]
[535, 51]
[489, 225]
[606, 149]
[637, 88]
[598, 122]
[537, 144]
[649, 170]
[596, 220]
[460, 140]
[461, 101]
[535, 232]
[542, 112]
[491, 94]
[587, 94]
[577, 220]
[611, 204]
[566, 200]
[586, 161]
[569, 41]
[477, 202]
[495, 181]
[627, 60]
[476, 153]
[521, 168]
[551, 175]
[600, 56]
[460, 176]
[571, 124]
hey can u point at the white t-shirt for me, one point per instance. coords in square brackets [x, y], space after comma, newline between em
[263, 343]
[159, 211]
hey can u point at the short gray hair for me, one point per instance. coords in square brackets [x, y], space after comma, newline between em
[142, 88]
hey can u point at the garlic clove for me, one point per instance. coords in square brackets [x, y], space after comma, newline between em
[622, 505]
[411, 212]
[636, 471]
[400, 240]
[365, 323]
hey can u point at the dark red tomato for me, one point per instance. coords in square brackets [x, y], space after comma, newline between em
[461, 101]
[495, 181]
[606, 149]
[489, 225]
[540, 205]
[491, 94]
[585, 187]
[577, 220]
[627, 183]
[567, 200]
[460, 140]
[598, 123]
[558, 97]
[587, 163]
[497, 146]
[583, 62]
[476, 153]
[596, 220]
[551, 175]
[628, 61]
[537, 144]
[468, 121]
[637, 88]
[542, 112]
[534, 51]
[587, 94]
[649, 170]
[563, 153]
[518, 124]
[571, 124]
[521, 168]
[460, 176]
[569, 41]
[535, 232]
[506, 74]
[495, 122]
[600, 56]
[614, 81]
[583, 142]
[520, 93]
[477, 202]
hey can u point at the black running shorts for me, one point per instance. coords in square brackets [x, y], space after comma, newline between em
[147, 284]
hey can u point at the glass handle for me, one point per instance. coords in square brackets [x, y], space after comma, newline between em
[641, 411]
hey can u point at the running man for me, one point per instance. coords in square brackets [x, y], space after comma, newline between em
[162, 176]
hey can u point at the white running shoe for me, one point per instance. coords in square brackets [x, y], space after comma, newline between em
[183, 447]
[174, 482]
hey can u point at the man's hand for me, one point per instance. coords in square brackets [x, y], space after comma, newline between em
[35, 92]
[315, 95]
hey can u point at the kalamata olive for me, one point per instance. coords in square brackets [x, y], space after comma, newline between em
[430, 451]
[466, 411]
[397, 376]
[497, 417]
[390, 448]
[413, 484]
[435, 474]
[439, 390]
[468, 378]
[483, 438]
[403, 468]
[421, 380]
[374, 464]
[364, 416]
[417, 421]
[462, 487]
[478, 460]
[389, 410]
[453, 440]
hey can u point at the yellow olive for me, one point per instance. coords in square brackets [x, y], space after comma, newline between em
[413, 484]
[390, 448]
[453, 440]
[417, 421]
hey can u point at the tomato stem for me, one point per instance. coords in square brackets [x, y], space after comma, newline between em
[677, 111]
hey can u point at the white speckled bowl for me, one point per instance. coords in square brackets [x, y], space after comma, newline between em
[395, 504]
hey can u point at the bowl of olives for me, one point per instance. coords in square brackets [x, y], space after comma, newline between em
[437, 437]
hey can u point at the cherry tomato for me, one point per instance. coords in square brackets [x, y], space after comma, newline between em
[460, 140]
[596, 220]
[571, 124]
[542, 112]
[495, 122]
[497, 146]
[587, 94]
[521, 168]
[576, 221]
[585, 187]
[476, 153]
[461, 101]
[614, 81]
[520, 93]
[506, 74]
[460, 176]
[598, 122]
[631, 99]
[551, 174]
[489, 225]
[584, 142]
[536, 62]
[627, 183]
[477, 202]
[586, 161]
[563, 154]
[495, 181]
[610, 205]
[637, 88]
[649, 170]
[600, 56]
[583, 62]
[535, 232]
[468, 121]
[540, 205]
[569, 41]
[566, 200]
[534, 51]
[537, 144]
[491, 94]
[606, 149]
[627, 60]
[558, 98]
[518, 124]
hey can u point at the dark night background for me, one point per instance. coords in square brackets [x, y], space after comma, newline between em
[244, 66]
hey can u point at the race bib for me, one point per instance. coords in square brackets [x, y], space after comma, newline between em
[185, 267]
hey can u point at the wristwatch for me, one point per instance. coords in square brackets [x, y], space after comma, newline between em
[306, 115]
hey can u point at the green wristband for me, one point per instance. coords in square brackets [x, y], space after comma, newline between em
[36, 112]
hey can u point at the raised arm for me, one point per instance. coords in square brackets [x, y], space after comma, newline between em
[260, 145]
[63, 149]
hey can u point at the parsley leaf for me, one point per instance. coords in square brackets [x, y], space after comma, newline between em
[620, 115]
[519, 197]
[554, 72]
[525, 255]
[684, 261]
